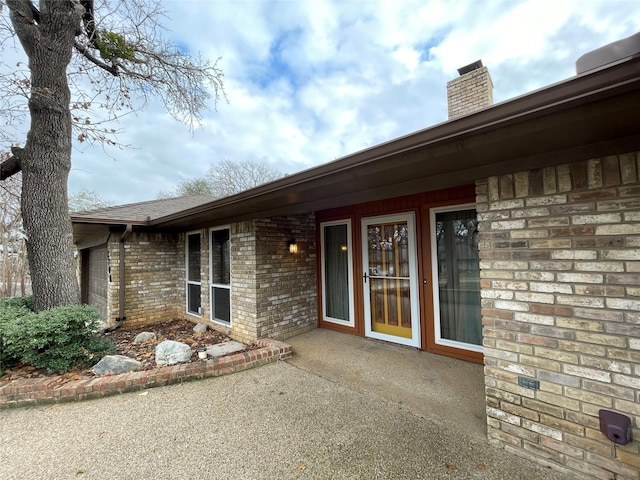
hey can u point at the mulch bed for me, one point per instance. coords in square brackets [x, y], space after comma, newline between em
[179, 330]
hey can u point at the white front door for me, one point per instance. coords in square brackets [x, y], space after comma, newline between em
[391, 279]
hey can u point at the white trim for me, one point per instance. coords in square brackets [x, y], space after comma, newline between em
[186, 272]
[325, 317]
[219, 285]
[408, 217]
[434, 280]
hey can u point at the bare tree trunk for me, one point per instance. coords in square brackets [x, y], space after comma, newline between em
[46, 157]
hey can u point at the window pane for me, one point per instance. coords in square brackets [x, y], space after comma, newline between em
[221, 304]
[193, 255]
[459, 276]
[193, 300]
[336, 272]
[220, 257]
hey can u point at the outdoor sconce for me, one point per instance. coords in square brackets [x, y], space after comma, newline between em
[293, 246]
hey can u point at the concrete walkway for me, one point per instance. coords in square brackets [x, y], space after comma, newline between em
[277, 421]
[440, 389]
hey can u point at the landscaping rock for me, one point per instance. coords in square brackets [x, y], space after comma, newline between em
[170, 352]
[115, 364]
[200, 328]
[144, 337]
[224, 348]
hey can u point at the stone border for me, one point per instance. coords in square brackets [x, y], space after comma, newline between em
[42, 391]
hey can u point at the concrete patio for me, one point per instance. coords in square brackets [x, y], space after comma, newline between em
[444, 390]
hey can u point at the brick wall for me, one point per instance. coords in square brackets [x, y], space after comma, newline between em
[154, 278]
[560, 260]
[286, 289]
[273, 292]
[243, 282]
[98, 279]
[469, 92]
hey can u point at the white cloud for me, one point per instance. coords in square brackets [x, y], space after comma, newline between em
[309, 82]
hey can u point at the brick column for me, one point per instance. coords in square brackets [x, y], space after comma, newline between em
[560, 260]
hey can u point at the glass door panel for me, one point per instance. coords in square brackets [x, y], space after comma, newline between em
[337, 273]
[390, 277]
[456, 273]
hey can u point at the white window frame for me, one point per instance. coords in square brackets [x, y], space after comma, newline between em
[325, 317]
[191, 282]
[434, 280]
[219, 285]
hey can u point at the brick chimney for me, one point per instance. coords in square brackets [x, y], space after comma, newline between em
[471, 91]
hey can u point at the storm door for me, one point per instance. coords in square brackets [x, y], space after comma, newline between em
[456, 277]
[390, 279]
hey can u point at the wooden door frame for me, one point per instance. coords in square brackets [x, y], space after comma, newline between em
[429, 335]
[419, 204]
[358, 328]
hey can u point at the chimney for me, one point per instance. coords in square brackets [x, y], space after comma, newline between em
[471, 91]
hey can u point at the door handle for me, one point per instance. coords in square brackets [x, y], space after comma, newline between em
[424, 281]
[365, 277]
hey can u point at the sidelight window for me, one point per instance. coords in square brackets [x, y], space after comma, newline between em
[193, 273]
[337, 273]
[221, 275]
[456, 268]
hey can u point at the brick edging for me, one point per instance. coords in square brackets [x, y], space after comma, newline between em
[42, 391]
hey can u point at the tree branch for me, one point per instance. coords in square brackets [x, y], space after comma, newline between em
[25, 9]
[24, 17]
[10, 167]
[84, 50]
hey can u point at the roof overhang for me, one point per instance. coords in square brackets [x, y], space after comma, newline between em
[588, 116]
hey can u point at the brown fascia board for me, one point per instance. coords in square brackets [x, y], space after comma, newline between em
[136, 222]
[514, 117]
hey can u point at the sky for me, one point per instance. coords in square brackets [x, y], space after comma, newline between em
[311, 81]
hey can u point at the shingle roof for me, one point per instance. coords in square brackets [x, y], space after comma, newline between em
[142, 211]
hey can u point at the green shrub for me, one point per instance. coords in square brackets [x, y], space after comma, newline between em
[17, 302]
[56, 340]
[10, 310]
